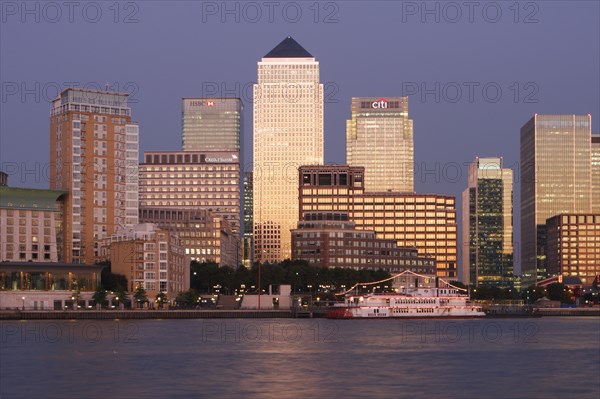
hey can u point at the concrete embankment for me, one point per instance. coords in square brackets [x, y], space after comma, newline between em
[141, 314]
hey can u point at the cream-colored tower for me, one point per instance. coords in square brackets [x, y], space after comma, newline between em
[288, 133]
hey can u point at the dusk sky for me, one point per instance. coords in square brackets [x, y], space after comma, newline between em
[544, 56]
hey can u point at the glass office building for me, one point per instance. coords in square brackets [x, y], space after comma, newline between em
[555, 178]
[379, 136]
[596, 173]
[211, 124]
[487, 228]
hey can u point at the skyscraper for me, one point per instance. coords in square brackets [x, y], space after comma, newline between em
[379, 136]
[487, 212]
[94, 156]
[596, 173]
[288, 132]
[248, 257]
[211, 124]
[555, 178]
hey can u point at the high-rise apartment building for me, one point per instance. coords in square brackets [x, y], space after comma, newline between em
[555, 178]
[212, 124]
[248, 257]
[94, 156]
[288, 133]
[379, 136]
[424, 221]
[596, 173]
[487, 227]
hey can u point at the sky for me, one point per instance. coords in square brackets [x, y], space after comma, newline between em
[474, 72]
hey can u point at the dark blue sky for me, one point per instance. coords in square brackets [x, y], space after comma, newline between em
[544, 57]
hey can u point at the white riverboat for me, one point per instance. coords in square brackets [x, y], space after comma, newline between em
[408, 300]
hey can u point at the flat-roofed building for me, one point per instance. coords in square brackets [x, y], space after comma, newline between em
[424, 221]
[31, 224]
[149, 257]
[331, 240]
[573, 247]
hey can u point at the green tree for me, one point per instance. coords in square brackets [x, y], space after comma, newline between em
[187, 299]
[161, 299]
[100, 296]
[121, 295]
[140, 296]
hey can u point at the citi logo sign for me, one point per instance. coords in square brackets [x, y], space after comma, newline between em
[382, 103]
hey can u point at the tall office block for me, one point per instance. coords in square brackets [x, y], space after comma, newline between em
[211, 124]
[487, 212]
[248, 257]
[379, 136]
[94, 156]
[555, 178]
[288, 132]
[596, 173]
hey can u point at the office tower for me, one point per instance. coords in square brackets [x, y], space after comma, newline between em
[30, 224]
[379, 136]
[572, 246]
[248, 258]
[288, 133]
[424, 221]
[151, 258]
[596, 173]
[211, 124]
[487, 213]
[555, 178]
[329, 239]
[196, 180]
[94, 156]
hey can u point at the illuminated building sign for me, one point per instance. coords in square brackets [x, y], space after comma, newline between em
[382, 103]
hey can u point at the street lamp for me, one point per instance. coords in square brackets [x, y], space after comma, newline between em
[23, 298]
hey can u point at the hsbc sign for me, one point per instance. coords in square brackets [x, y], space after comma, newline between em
[199, 103]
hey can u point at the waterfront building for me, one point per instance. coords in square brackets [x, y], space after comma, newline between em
[555, 178]
[573, 246]
[424, 221]
[149, 257]
[487, 224]
[205, 237]
[331, 240]
[288, 132]
[379, 136]
[31, 224]
[93, 156]
[211, 124]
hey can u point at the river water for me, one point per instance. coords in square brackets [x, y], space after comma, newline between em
[550, 357]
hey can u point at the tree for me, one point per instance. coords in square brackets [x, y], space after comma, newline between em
[187, 299]
[121, 296]
[161, 299]
[140, 296]
[100, 296]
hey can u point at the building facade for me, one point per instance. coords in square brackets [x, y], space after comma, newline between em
[379, 136]
[149, 257]
[573, 247]
[487, 235]
[211, 124]
[595, 173]
[205, 237]
[555, 178]
[248, 258]
[31, 224]
[192, 180]
[331, 240]
[93, 156]
[288, 132]
[424, 221]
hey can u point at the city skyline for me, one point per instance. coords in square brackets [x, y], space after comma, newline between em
[441, 149]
